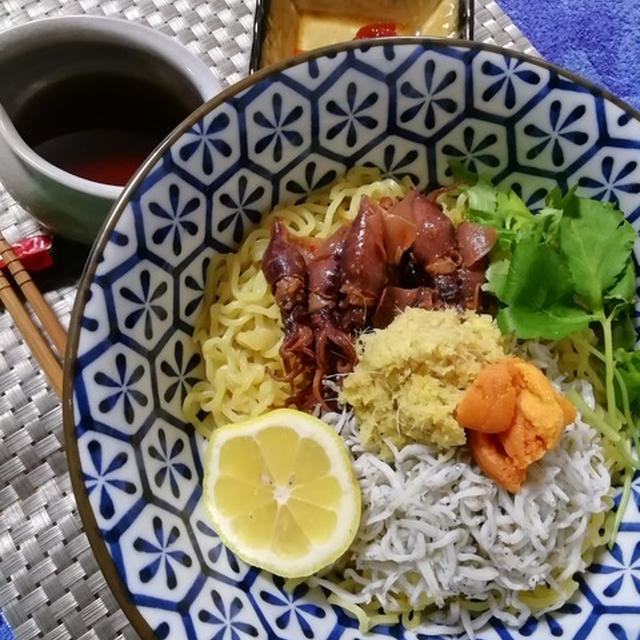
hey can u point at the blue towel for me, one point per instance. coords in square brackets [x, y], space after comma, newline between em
[597, 39]
[5, 632]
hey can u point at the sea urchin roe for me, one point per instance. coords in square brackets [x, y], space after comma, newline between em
[411, 376]
[514, 416]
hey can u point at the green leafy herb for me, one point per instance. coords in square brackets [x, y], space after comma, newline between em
[508, 214]
[496, 277]
[628, 366]
[624, 330]
[537, 293]
[553, 323]
[624, 289]
[596, 245]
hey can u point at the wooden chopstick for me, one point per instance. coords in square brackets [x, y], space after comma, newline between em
[39, 347]
[44, 312]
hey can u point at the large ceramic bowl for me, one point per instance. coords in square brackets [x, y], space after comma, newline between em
[408, 106]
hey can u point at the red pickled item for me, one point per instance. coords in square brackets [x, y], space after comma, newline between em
[33, 252]
[376, 30]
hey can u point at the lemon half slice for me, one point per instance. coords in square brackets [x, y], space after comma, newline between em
[281, 492]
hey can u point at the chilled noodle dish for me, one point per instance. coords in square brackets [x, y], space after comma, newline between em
[477, 364]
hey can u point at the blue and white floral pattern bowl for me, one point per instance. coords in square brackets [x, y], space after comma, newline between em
[407, 106]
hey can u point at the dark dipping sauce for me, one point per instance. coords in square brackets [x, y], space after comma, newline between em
[99, 126]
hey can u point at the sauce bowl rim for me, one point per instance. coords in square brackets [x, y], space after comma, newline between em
[126, 33]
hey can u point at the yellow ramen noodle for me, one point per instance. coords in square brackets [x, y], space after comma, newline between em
[239, 331]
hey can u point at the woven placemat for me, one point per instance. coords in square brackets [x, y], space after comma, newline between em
[50, 584]
[494, 26]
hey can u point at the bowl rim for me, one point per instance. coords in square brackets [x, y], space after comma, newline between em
[96, 541]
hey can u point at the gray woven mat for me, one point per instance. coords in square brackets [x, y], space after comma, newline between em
[50, 584]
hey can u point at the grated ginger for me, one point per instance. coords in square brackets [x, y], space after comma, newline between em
[410, 376]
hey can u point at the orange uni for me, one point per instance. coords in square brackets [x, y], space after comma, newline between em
[491, 458]
[489, 404]
[514, 416]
